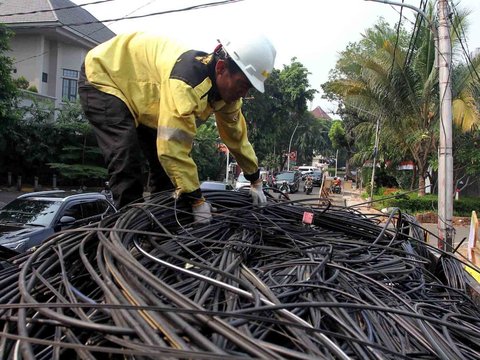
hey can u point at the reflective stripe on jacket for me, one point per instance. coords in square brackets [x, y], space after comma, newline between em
[167, 87]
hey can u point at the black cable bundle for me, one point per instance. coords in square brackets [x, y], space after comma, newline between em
[254, 283]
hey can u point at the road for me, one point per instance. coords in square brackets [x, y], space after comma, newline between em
[345, 199]
[6, 196]
[314, 196]
[349, 199]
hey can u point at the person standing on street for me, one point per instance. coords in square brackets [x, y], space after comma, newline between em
[144, 93]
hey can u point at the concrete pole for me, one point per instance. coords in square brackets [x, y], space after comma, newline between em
[445, 157]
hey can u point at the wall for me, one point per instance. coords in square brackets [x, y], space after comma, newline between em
[69, 57]
[35, 54]
[28, 59]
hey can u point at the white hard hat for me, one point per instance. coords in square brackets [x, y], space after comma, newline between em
[254, 55]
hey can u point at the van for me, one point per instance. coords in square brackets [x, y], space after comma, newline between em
[306, 169]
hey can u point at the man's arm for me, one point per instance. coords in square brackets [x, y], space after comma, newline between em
[175, 134]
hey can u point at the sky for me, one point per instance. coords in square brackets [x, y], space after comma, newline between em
[313, 31]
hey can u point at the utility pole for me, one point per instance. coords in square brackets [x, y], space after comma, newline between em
[445, 156]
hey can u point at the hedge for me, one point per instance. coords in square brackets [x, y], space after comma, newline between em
[413, 204]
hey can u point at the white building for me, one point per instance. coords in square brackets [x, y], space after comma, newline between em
[51, 40]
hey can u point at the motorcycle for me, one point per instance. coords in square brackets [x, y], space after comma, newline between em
[284, 189]
[308, 187]
[336, 189]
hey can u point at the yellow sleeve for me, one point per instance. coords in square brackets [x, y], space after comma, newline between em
[176, 130]
[232, 128]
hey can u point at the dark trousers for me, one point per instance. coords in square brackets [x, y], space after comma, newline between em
[122, 144]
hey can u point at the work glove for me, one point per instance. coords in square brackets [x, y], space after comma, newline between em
[202, 211]
[258, 196]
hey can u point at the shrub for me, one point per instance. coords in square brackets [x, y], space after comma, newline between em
[21, 82]
[33, 88]
[413, 204]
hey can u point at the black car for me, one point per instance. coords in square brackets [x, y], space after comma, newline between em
[31, 218]
[317, 177]
[292, 177]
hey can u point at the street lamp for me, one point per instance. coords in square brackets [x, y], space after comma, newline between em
[336, 163]
[290, 146]
[227, 168]
[223, 148]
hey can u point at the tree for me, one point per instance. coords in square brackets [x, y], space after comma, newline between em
[273, 116]
[30, 140]
[206, 152]
[313, 138]
[395, 80]
[8, 90]
[21, 82]
[79, 157]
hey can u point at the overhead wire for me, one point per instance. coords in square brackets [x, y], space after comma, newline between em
[130, 17]
[461, 37]
[415, 33]
[125, 17]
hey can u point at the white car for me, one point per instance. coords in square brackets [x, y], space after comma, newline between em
[304, 170]
[241, 182]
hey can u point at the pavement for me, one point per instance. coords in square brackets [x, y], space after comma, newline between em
[7, 195]
[353, 198]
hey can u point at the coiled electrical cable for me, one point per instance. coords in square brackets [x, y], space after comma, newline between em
[147, 282]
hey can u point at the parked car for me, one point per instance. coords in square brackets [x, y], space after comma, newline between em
[30, 219]
[215, 185]
[317, 178]
[241, 182]
[292, 177]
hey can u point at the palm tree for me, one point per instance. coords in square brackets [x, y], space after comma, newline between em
[395, 80]
[465, 85]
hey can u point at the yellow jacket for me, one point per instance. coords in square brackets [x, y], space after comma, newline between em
[166, 87]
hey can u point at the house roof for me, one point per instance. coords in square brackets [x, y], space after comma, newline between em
[49, 14]
[320, 114]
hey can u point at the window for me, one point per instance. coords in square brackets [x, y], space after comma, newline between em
[70, 84]
[74, 211]
[92, 209]
[44, 77]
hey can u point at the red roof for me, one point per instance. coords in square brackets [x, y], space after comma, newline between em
[320, 114]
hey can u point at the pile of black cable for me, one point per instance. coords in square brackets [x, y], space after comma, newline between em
[254, 283]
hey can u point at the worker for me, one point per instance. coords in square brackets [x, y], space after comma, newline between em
[142, 92]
